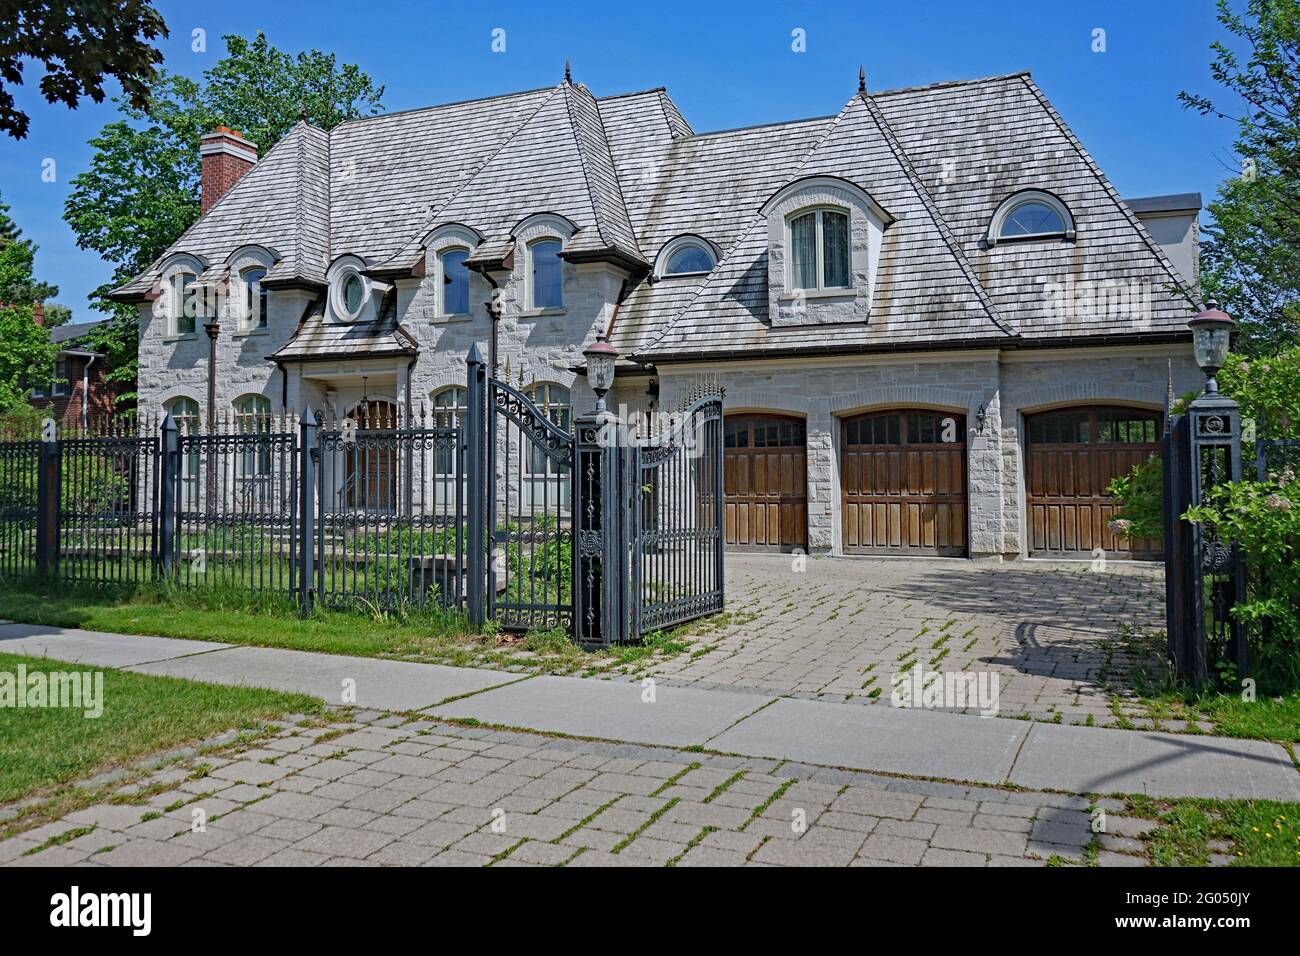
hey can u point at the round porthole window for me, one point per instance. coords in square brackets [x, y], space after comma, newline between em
[351, 296]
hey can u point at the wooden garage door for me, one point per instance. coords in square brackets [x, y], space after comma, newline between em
[1070, 457]
[766, 483]
[903, 483]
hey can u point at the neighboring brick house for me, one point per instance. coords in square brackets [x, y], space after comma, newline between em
[939, 327]
[78, 395]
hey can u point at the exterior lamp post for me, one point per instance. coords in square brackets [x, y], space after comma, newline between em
[1204, 576]
[1211, 336]
[600, 356]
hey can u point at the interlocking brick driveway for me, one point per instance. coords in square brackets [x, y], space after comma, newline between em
[379, 790]
[840, 628]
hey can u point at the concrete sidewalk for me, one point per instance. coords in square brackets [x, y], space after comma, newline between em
[906, 742]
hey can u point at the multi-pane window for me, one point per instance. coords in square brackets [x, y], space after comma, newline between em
[819, 249]
[59, 385]
[760, 432]
[183, 306]
[185, 413]
[253, 463]
[254, 316]
[1032, 218]
[454, 297]
[450, 407]
[548, 482]
[547, 274]
[1102, 426]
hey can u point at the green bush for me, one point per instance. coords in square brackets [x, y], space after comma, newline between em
[1263, 520]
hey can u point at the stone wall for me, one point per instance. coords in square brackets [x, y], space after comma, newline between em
[1005, 385]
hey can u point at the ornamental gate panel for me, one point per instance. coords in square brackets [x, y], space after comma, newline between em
[675, 519]
[529, 511]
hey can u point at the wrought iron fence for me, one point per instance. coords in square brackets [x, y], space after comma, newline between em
[481, 509]
[390, 524]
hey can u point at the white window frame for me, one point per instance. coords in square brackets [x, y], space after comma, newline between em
[248, 320]
[543, 487]
[819, 245]
[528, 274]
[440, 304]
[1024, 197]
[339, 302]
[674, 246]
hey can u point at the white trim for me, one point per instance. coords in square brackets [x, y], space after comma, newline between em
[825, 183]
[673, 246]
[440, 285]
[529, 293]
[818, 210]
[1024, 197]
[339, 271]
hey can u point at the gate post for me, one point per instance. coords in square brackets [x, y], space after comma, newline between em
[168, 467]
[47, 501]
[309, 458]
[599, 569]
[475, 466]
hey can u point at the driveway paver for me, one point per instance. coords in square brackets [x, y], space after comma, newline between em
[549, 801]
[839, 628]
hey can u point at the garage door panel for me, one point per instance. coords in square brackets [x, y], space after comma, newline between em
[903, 490]
[1071, 456]
[765, 483]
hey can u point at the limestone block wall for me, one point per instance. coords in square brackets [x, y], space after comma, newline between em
[1006, 385]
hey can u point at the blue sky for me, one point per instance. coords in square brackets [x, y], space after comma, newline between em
[725, 65]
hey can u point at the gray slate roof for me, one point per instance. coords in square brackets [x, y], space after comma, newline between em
[631, 174]
[319, 339]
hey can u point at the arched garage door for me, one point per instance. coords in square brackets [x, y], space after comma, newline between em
[1070, 457]
[903, 483]
[766, 483]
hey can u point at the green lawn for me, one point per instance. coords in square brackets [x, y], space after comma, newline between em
[1250, 832]
[43, 749]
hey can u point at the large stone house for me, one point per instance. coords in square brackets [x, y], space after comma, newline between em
[939, 327]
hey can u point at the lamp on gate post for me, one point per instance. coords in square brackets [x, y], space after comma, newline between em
[600, 356]
[1211, 336]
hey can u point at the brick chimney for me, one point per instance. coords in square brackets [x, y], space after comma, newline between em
[38, 313]
[225, 156]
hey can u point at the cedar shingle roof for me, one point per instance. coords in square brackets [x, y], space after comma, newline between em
[631, 174]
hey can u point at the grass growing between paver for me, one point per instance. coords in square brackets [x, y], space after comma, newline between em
[422, 633]
[45, 749]
[1163, 702]
[1192, 832]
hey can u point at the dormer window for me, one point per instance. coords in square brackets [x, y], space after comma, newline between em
[183, 306]
[254, 298]
[349, 294]
[1030, 215]
[687, 255]
[453, 289]
[546, 282]
[818, 247]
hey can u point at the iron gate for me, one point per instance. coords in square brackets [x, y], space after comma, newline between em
[675, 520]
[529, 500]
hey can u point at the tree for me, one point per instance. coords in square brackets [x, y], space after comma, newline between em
[27, 357]
[56, 315]
[17, 285]
[1251, 254]
[79, 42]
[142, 188]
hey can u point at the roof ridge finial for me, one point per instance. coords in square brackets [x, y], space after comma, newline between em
[862, 79]
[568, 74]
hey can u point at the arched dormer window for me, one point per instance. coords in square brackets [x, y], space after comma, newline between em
[352, 295]
[184, 305]
[453, 282]
[545, 275]
[818, 247]
[686, 256]
[1028, 215]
